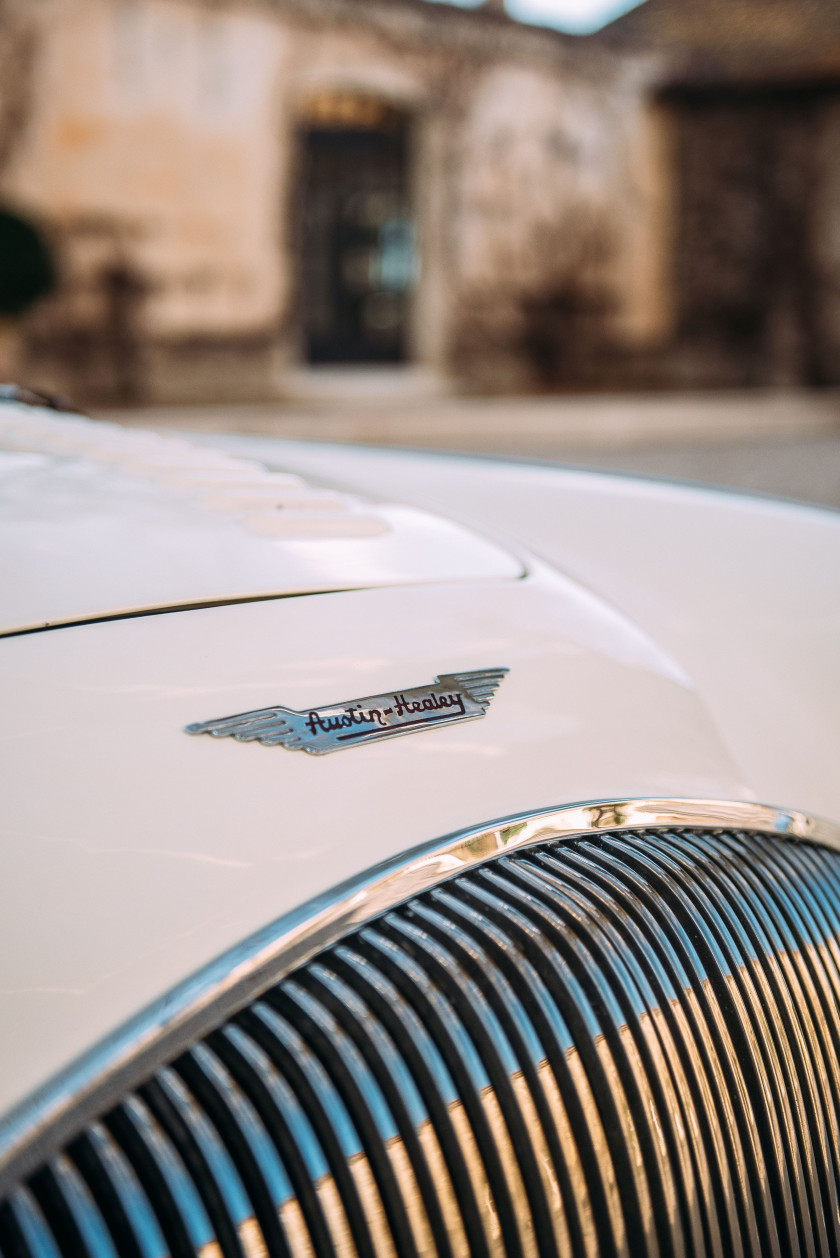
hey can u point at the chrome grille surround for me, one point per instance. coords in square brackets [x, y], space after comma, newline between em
[543, 1037]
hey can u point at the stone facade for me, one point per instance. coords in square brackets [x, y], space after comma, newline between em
[161, 150]
[163, 146]
[750, 97]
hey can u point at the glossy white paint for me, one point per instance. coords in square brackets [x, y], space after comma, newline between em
[137, 853]
[743, 591]
[133, 854]
[97, 521]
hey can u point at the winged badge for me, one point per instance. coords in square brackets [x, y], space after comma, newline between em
[452, 697]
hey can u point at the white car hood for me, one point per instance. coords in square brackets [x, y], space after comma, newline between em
[137, 853]
[99, 521]
[133, 855]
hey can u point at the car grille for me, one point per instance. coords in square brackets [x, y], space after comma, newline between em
[626, 1044]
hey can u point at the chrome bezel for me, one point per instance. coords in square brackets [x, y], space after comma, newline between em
[46, 1119]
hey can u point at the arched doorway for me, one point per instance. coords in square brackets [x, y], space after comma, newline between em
[357, 255]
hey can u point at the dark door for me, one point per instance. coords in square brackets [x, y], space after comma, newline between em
[749, 183]
[357, 256]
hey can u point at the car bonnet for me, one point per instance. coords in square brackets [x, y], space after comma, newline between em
[99, 521]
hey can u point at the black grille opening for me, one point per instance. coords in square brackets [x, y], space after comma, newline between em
[617, 1045]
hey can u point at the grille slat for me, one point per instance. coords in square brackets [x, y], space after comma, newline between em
[247, 1142]
[798, 988]
[291, 1135]
[618, 1008]
[503, 1121]
[587, 1040]
[710, 1042]
[67, 1214]
[173, 1196]
[583, 1139]
[361, 1097]
[706, 1105]
[756, 1068]
[779, 1032]
[434, 1085]
[24, 1230]
[189, 1136]
[471, 1085]
[526, 1023]
[120, 1199]
[325, 1113]
[521, 1097]
[600, 1047]
[399, 1090]
[654, 1077]
[12, 1239]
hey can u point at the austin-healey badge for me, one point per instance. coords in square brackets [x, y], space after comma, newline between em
[452, 697]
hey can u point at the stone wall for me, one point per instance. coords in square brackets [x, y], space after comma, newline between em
[556, 186]
[159, 150]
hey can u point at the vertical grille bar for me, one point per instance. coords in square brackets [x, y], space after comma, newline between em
[607, 1047]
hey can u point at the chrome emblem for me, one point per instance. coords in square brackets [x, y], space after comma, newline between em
[452, 697]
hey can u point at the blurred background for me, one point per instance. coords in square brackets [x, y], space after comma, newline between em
[571, 229]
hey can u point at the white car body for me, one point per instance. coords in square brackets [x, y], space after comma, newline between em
[662, 642]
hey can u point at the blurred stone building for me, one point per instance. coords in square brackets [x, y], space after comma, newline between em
[240, 192]
[749, 94]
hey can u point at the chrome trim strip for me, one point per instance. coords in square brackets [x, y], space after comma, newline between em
[49, 1117]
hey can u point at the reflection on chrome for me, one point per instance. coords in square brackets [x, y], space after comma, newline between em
[617, 1038]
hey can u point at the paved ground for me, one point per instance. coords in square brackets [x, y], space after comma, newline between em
[782, 443]
[808, 468]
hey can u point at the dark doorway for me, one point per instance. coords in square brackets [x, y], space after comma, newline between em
[751, 181]
[357, 263]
